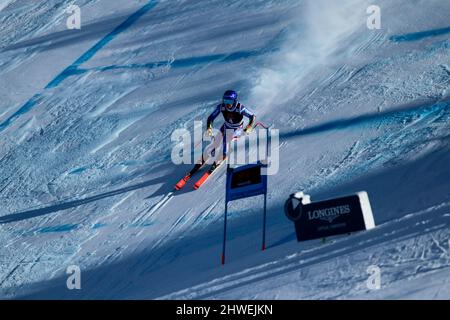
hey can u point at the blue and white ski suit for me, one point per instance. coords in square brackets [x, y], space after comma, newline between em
[234, 120]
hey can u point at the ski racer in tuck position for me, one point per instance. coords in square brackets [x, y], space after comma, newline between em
[233, 113]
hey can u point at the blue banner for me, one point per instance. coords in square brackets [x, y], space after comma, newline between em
[245, 181]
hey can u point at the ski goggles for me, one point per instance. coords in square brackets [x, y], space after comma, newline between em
[228, 102]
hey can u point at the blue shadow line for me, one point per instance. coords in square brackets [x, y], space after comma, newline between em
[183, 63]
[368, 119]
[24, 109]
[73, 68]
[60, 228]
[419, 35]
[19, 216]
[78, 170]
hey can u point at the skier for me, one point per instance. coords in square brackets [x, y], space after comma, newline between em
[233, 113]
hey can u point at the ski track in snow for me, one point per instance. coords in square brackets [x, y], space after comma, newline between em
[385, 233]
[87, 179]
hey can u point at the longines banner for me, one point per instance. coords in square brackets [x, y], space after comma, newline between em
[330, 217]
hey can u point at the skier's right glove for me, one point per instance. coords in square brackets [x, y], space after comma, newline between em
[209, 131]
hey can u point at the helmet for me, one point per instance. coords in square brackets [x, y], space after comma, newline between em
[230, 98]
[230, 95]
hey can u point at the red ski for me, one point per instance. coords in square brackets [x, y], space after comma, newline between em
[188, 176]
[200, 181]
[182, 182]
[207, 174]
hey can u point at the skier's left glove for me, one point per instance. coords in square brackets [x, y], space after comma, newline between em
[248, 129]
[209, 131]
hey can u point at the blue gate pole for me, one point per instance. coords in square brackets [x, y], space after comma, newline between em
[225, 218]
[265, 193]
[264, 223]
[224, 232]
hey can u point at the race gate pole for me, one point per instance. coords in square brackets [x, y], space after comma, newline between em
[265, 194]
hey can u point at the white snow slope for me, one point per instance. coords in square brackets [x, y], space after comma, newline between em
[86, 118]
